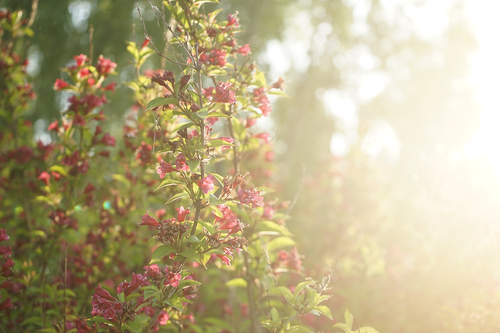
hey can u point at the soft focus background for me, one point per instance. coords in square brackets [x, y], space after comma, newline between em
[388, 147]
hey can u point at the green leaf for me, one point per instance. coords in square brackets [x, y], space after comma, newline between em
[150, 293]
[121, 297]
[121, 178]
[277, 92]
[132, 49]
[366, 330]
[210, 228]
[131, 297]
[260, 79]
[175, 303]
[273, 226]
[28, 32]
[212, 15]
[184, 126]
[65, 292]
[161, 101]
[160, 252]
[285, 292]
[216, 211]
[168, 182]
[275, 315]
[191, 254]
[214, 70]
[280, 243]
[218, 142]
[185, 283]
[32, 320]
[237, 282]
[177, 197]
[192, 239]
[343, 327]
[214, 201]
[59, 169]
[325, 311]
[218, 114]
[298, 329]
[48, 330]
[323, 298]
[349, 318]
[202, 114]
[301, 287]
[204, 1]
[193, 165]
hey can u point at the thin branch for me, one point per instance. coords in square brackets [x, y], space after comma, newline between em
[183, 44]
[91, 42]
[148, 37]
[34, 11]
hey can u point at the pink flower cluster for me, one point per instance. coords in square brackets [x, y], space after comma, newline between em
[260, 97]
[165, 168]
[250, 196]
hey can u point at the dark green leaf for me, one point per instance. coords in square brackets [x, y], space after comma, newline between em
[160, 252]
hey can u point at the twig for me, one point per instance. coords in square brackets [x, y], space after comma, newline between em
[34, 11]
[91, 42]
[153, 44]
[64, 290]
[184, 45]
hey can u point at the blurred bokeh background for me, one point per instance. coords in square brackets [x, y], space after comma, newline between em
[388, 147]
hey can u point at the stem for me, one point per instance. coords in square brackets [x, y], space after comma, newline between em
[236, 159]
[202, 134]
[153, 320]
[254, 317]
[64, 290]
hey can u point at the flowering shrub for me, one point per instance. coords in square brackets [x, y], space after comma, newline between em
[190, 152]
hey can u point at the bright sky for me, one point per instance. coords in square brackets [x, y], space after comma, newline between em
[485, 76]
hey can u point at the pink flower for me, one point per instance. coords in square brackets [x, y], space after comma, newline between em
[3, 235]
[164, 168]
[232, 20]
[128, 287]
[60, 84]
[218, 58]
[153, 272]
[163, 318]
[225, 258]
[105, 66]
[108, 140]
[223, 94]
[211, 120]
[44, 177]
[265, 108]
[110, 87]
[250, 196]
[81, 59]
[268, 212]
[250, 122]
[160, 213]
[269, 156]
[206, 184]
[263, 136]
[181, 216]
[244, 50]
[148, 220]
[53, 126]
[208, 92]
[227, 139]
[180, 163]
